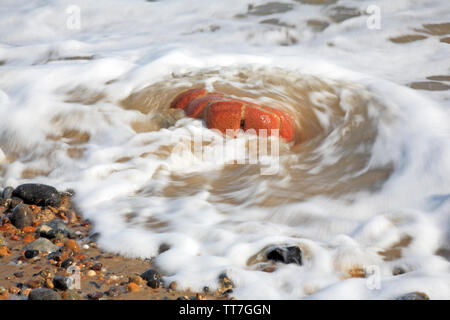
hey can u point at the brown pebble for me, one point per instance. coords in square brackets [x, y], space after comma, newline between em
[26, 292]
[33, 284]
[269, 269]
[18, 274]
[72, 245]
[49, 284]
[173, 285]
[132, 287]
[198, 296]
[138, 280]
[14, 290]
[4, 251]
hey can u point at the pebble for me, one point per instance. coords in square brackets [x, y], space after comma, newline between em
[291, 254]
[173, 285]
[29, 254]
[14, 202]
[97, 267]
[67, 263]
[85, 246]
[72, 245]
[38, 194]
[49, 284]
[398, 271]
[413, 296]
[43, 245]
[7, 193]
[91, 273]
[71, 295]
[152, 277]
[22, 216]
[4, 251]
[34, 283]
[43, 294]
[113, 292]
[54, 229]
[95, 295]
[138, 280]
[62, 282]
[132, 287]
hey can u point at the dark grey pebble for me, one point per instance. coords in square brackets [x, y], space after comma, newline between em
[29, 254]
[22, 216]
[113, 292]
[97, 267]
[43, 294]
[38, 194]
[43, 245]
[7, 193]
[152, 277]
[291, 254]
[14, 202]
[55, 229]
[62, 282]
[95, 295]
[67, 263]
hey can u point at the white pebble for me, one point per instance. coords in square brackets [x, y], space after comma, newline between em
[91, 273]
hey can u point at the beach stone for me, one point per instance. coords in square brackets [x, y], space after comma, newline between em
[72, 245]
[152, 277]
[7, 193]
[43, 294]
[29, 254]
[67, 263]
[113, 292]
[14, 202]
[38, 194]
[95, 295]
[62, 282]
[55, 229]
[43, 245]
[413, 296]
[22, 216]
[291, 254]
[71, 295]
[132, 287]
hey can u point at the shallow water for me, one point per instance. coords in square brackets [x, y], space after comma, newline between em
[364, 186]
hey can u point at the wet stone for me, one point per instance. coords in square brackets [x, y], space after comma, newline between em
[14, 202]
[43, 294]
[22, 216]
[7, 193]
[95, 295]
[29, 254]
[152, 277]
[113, 292]
[62, 282]
[43, 245]
[67, 263]
[55, 229]
[269, 8]
[71, 295]
[38, 194]
[291, 254]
